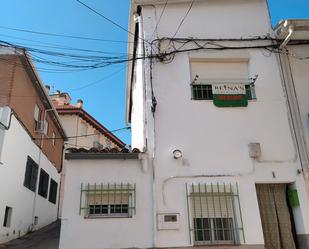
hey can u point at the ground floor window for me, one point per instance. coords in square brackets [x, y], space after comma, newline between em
[107, 200]
[215, 214]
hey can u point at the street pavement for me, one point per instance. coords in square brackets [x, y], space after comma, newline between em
[45, 238]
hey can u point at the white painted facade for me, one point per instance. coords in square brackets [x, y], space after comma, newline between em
[78, 232]
[73, 127]
[295, 66]
[214, 141]
[25, 204]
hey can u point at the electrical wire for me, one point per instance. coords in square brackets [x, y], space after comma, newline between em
[107, 19]
[86, 135]
[162, 12]
[95, 82]
[62, 35]
[184, 18]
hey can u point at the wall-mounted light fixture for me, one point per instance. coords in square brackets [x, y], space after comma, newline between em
[177, 154]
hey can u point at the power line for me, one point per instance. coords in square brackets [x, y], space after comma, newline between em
[183, 19]
[61, 35]
[95, 82]
[106, 18]
[156, 27]
[86, 135]
[57, 46]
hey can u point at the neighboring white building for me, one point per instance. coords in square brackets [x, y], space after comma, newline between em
[82, 129]
[294, 61]
[30, 158]
[107, 200]
[207, 105]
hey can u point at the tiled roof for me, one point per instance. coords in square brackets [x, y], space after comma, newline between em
[101, 154]
[103, 150]
[71, 109]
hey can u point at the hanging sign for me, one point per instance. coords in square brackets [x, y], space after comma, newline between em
[229, 95]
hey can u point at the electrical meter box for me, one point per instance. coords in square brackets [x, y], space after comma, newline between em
[168, 221]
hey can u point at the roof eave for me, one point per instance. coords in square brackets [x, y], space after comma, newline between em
[44, 94]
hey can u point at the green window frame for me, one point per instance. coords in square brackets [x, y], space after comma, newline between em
[214, 214]
[108, 200]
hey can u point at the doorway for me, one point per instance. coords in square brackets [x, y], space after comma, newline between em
[275, 216]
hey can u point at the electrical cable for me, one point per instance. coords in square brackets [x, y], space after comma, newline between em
[62, 35]
[95, 82]
[156, 27]
[86, 135]
[183, 19]
[108, 19]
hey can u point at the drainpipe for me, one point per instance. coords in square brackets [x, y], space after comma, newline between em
[292, 101]
[288, 37]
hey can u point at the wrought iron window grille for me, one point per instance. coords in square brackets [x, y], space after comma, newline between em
[202, 89]
[108, 200]
[214, 214]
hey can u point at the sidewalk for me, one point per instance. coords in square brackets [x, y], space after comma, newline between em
[45, 238]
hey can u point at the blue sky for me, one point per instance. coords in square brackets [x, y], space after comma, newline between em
[104, 98]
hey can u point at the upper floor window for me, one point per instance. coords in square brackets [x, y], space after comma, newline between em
[209, 73]
[202, 91]
[37, 117]
[83, 128]
[53, 138]
[31, 174]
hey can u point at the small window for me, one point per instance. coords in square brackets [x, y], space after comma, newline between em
[216, 214]
[53, 191]
[53, 138]
[37, 117]
[31, 174]
[83, 128]
[43, 183]
[45, 127]
[96, 137]
[108, 143]
[204, 91]
[7, 216]
[108, 200]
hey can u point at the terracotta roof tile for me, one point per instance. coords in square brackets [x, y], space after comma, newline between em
[103, 150]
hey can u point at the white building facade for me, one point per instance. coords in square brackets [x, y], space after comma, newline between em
[219, 163]
[22, 208]
[107, 199]
[31, 147]
[295, 65]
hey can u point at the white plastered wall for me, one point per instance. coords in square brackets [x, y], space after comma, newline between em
[26, 204]
[215, 140]
[80, 233]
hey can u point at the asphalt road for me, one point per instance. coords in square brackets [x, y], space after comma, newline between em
[45, 238]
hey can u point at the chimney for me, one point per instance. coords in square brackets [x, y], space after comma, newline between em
[47, 89]
[58, 92]
[80, 103]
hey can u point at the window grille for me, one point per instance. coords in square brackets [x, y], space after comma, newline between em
[108, 200]
[214, 214]
[204, 91]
